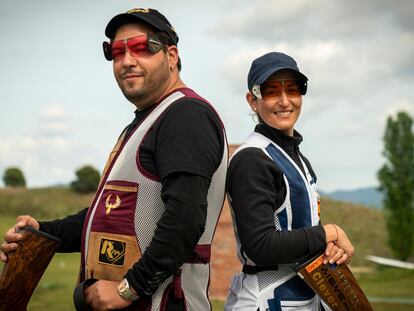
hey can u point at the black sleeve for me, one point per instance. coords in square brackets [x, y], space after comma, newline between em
[189, 139]
[68, 229]
[177, 233]
[256, 188]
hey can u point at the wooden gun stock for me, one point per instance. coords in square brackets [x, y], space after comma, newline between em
[25, 267]
[334, 284]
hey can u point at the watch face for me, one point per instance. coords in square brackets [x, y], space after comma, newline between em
[123, 289]
[122, 286]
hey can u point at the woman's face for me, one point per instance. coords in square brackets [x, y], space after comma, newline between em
[281, 101]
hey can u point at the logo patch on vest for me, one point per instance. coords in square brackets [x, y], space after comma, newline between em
[112, 252]
[111, 205]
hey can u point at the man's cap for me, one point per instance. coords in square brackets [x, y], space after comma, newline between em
[263, 67]
[149, 16]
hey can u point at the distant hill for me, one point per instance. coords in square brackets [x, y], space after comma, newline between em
[369, 196]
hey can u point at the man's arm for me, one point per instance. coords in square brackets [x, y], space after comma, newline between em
[68, 229]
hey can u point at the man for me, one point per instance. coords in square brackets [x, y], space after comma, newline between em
[146, 236]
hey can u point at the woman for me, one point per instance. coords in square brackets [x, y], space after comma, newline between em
[274, 199]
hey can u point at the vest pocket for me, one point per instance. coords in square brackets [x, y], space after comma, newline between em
[116, 208]
[113, 247]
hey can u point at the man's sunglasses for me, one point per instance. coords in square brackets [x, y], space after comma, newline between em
[136, 46]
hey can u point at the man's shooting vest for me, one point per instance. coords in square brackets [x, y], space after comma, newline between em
[123, 217]
[274, 289]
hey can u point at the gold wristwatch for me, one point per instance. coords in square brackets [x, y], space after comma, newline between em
[125, 291]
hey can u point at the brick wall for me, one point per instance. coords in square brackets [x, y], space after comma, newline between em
[224, 260]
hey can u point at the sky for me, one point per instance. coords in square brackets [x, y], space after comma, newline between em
[61, 109]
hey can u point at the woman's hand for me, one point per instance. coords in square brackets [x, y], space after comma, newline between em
[334, 254]
[339, 248]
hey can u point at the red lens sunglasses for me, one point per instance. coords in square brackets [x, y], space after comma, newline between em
[136, 46]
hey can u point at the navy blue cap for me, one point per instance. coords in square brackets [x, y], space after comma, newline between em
[149, 16]
[263, 67]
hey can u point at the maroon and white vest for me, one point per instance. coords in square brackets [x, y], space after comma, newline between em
[127, 206]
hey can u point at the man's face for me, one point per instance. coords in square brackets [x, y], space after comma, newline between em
[142, 78]
[281, 101]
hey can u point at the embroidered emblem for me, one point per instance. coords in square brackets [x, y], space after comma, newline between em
[110, 206]
[112, 252]
[138, 11]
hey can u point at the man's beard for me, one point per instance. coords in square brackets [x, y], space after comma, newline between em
[151, 83]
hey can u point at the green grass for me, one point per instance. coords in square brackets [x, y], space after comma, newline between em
[365, 226]
[43, 203]
[57, 284]
[389, 288]
[388, 283]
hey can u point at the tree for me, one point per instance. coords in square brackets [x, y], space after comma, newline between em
[13, 177]
[396, 179]
[87, 179]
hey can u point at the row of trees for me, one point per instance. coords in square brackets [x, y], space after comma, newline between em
[87, 179]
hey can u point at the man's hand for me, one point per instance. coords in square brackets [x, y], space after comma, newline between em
[12, 237]
[103, 295]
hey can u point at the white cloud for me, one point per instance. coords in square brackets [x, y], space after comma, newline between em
[48, 160]
[321, 52]
[54, 112]
[51, 153]
[53, 129]
[340, 45]
[297, 20]
[54, 120]
[265, 19]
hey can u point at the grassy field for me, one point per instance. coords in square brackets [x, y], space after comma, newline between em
[382, 286]
[388, 289]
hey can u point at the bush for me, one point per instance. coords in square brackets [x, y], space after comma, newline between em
[87, 180]
[13, 177]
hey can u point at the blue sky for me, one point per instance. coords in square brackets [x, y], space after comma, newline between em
[60, 107]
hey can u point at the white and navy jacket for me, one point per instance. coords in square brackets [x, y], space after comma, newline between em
[275, 205]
